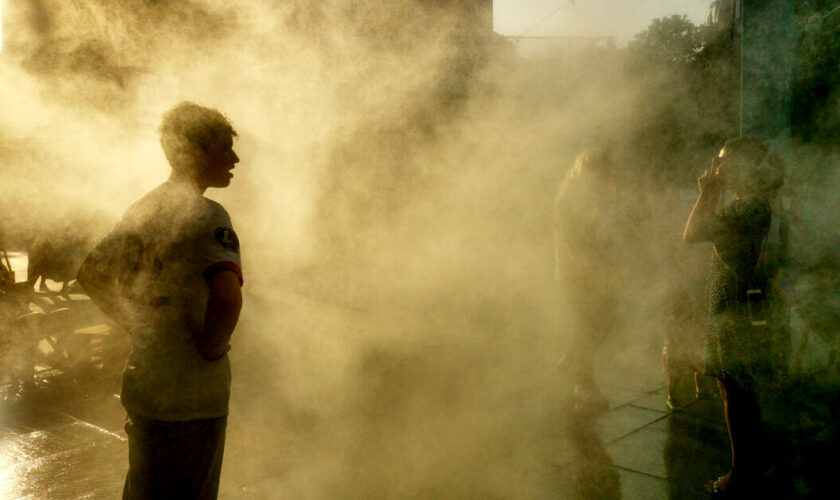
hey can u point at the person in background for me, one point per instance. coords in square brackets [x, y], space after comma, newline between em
[587, 228]
[684, 334]
[738, 295]
[169, 273]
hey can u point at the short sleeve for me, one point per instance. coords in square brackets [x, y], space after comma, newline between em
[218, 245]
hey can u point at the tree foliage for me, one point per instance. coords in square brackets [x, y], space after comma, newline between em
[670, 40]
[692, 74]
[688, 80]
[816, 88]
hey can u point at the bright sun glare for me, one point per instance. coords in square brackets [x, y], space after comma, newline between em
[1, 25]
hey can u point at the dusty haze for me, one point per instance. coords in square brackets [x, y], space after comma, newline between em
[401, 329]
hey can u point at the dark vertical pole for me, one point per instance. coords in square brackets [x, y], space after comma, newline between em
[767, 54]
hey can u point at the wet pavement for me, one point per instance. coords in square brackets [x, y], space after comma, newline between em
[64, 437]
[66, 440]
[646, 450]
[70, 450]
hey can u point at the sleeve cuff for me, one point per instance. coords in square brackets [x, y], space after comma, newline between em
[223, 266]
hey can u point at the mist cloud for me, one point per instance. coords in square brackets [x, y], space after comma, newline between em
[394, 206]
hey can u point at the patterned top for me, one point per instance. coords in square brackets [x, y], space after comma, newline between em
[737, 348]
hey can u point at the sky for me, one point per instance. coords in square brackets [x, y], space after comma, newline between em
[619, 18]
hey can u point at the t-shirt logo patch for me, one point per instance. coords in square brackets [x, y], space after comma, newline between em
[227, 238]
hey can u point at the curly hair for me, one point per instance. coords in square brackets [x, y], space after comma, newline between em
[187, 129]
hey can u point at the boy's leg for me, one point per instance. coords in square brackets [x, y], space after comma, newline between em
[174, 459]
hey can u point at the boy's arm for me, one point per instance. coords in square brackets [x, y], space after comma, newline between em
[223, 305]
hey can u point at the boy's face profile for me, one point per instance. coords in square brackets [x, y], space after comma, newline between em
[218, 161]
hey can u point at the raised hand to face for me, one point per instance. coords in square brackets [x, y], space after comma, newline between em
[711, 179]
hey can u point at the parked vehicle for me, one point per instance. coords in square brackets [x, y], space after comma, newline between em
[56, 333]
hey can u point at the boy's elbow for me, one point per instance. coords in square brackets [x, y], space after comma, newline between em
[225, 292]
[229, 302]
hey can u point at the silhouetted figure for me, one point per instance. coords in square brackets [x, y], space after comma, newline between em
[586, 223]
[740, 351]
[57, 249]
[593, 473]
[684, 333]
[55, 256]
[7, 275]
[169, 273]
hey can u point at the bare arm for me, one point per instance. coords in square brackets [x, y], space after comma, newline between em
[223, 305]
[700, 224]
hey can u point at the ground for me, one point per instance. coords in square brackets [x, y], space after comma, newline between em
[65, 439]
[391, 420]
